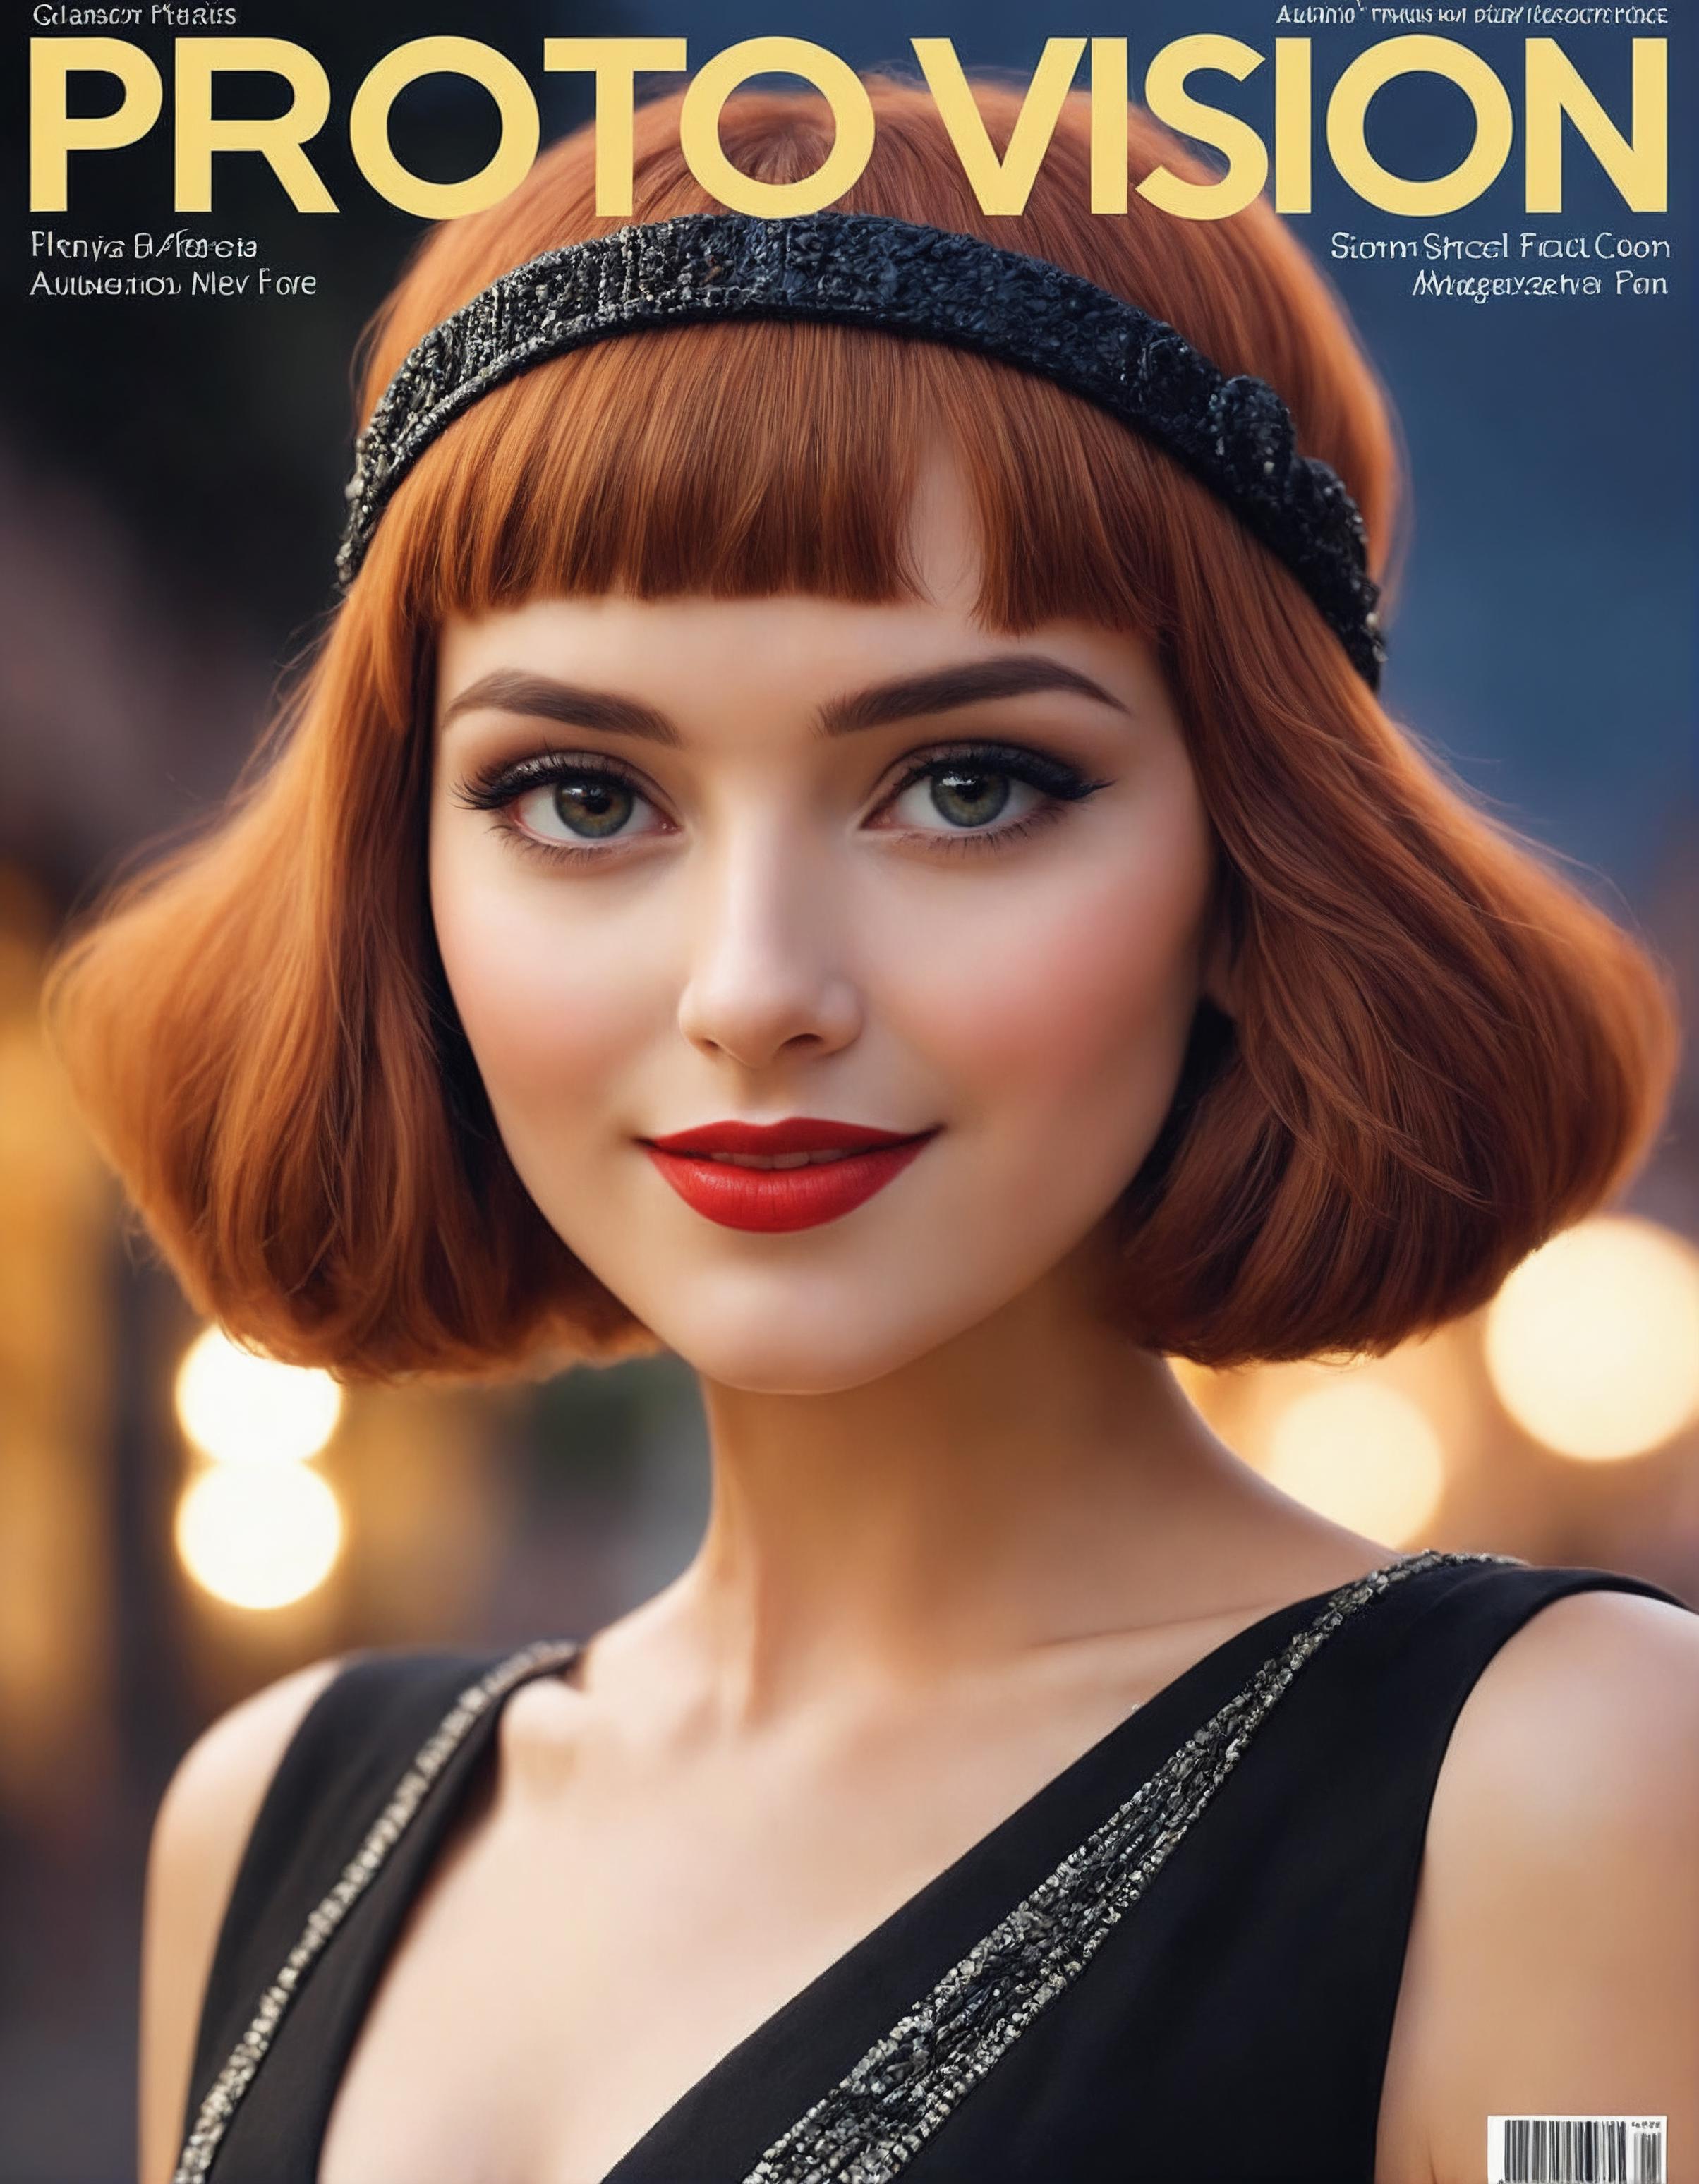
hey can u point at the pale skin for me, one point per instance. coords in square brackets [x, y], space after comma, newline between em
[946, 1490]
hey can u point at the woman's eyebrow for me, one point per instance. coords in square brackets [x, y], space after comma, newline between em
[902, 698]
[540, 697]
[941, 688]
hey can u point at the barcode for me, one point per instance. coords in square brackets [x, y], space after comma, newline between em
[1575, 2149]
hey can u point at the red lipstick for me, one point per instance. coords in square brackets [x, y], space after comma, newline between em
[697, 1164]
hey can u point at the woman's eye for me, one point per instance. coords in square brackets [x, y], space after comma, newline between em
[583, 806]
[963, 793]
[563, 806]
[990, 795]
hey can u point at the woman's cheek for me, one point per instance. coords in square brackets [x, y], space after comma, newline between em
[549, 1009]
[1083, 997]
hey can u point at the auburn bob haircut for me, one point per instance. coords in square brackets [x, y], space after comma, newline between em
[1442, 1054]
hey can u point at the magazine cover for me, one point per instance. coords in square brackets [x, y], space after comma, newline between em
[849, 1203]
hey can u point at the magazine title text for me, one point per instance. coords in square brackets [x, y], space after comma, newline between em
[1551, 91]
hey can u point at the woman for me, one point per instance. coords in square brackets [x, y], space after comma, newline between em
[840, 844]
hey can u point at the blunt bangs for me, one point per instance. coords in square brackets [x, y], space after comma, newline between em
[739, 460]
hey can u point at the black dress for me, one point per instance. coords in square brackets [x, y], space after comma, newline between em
[1178, 1961]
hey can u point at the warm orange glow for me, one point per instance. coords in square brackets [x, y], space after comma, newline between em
[1360, 1453]
[1593, 1343]
[258, 1536]
[243, 1409]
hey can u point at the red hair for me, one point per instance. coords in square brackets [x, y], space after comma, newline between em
[1442, 1052]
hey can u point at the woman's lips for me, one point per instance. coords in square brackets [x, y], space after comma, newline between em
[854, 1163]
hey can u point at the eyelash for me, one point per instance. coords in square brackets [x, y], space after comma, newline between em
[496, 788]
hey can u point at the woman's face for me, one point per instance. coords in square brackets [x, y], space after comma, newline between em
[702, 861]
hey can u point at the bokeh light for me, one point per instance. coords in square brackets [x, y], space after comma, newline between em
[258, 1536]
[242, 1409]
[1592, 1344]
[1360, 1453]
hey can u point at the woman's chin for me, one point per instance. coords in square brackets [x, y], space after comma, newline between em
[783, 1354]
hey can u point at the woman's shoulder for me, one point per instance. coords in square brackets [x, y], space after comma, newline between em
[1571, 1781]
[200, 1831]
[1577, 1747]
[1553, 1958]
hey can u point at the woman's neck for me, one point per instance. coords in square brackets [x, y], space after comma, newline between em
[1038, 1478]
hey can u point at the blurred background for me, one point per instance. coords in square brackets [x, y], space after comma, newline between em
[180, 1523]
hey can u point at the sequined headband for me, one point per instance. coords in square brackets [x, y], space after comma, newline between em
[860, 268]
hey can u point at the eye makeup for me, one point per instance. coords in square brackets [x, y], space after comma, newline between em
[502, 787]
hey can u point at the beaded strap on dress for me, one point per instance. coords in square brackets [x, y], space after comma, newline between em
[233, 2080]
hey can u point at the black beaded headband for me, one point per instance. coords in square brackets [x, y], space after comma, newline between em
[862, 269]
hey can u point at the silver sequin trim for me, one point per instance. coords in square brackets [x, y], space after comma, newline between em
[232, 2081]
[873, 2122]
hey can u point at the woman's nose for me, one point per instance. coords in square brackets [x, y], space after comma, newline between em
[767, 966]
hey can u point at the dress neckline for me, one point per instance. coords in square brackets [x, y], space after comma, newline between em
[841, 2010]
[846, 2006]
